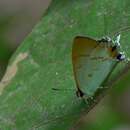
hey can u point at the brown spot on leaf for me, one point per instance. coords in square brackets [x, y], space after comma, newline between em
[11, 71]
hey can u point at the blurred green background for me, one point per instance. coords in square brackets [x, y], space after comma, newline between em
[17, 19]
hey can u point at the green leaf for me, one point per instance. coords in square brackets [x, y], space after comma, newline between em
[43, 62]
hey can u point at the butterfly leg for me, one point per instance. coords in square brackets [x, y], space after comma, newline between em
[105, 39]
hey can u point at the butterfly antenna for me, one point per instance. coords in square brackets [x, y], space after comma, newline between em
[105, 25]
[120, 31]
[117, 41]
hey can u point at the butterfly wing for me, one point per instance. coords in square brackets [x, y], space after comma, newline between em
[92, 63]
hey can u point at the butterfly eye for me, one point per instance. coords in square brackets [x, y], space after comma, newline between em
[121, 56]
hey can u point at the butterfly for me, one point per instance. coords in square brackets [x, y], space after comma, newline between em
[93, 60]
